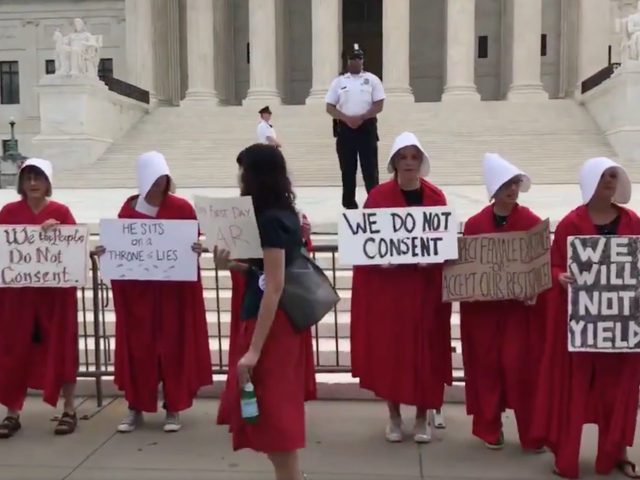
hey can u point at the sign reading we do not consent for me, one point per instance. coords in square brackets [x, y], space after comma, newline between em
[410, 235]
[33, 257]
[604, 301]
[149, 249]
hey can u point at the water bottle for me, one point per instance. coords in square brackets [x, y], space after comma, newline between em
[249, 403]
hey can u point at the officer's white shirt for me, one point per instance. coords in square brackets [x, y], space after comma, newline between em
[354, 94]
[265, 130]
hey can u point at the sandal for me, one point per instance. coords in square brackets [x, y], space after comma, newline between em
[627, 468]
[9, 426]
[67, 424]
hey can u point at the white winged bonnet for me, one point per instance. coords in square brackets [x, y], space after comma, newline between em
[151, 166]
[406, 139]
[590, 175]
[497, 171]
[44, 166]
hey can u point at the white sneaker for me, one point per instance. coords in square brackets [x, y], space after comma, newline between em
[393, 433]
[130, 422]
[438, 419]
[422, 431]
[172, 422]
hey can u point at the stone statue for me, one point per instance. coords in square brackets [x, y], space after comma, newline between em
[630, 27]
[77, 53]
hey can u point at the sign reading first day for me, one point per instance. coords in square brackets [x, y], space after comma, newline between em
[411, 235]
[33, 257]
[149, 249]
[230, 224]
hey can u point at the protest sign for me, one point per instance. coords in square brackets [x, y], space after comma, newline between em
[397, 236]
[33, 257]
[499, 266]
[230, 223]
[604, 313]
[149, 249]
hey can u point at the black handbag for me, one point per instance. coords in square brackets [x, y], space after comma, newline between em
[308, 294]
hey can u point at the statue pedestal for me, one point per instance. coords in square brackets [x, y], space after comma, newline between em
[80, 118]
[614, 106]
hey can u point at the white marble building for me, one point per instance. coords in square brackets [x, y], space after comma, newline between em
[236, 51]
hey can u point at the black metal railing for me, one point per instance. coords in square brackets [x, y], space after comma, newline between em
[597, 78]
[126, 89]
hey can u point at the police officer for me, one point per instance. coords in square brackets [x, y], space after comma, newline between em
[265, 131]
[353, 100]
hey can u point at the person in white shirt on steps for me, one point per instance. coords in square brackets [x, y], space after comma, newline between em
[266, 133]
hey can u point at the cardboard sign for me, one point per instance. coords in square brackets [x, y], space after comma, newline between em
[499, 266]
[411, 235]
[604, 312]
[33, 257]
[149, 249]
[230, 223]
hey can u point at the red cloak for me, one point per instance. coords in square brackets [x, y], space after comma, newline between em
[161, 330]
[400, 328]
[501, 346]
[584, 387]
[38, 325]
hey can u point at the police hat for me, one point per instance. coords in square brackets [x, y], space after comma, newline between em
[264, 110]
[357, 54]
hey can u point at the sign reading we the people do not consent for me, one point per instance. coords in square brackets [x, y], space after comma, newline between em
[33, 257]
[410, 235]
[149, 249]
[499, 266]
[604, 306]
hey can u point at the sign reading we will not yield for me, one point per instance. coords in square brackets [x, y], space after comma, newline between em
[604, 306]
[410, 235]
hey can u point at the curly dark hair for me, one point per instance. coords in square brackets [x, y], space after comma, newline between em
[264, 177]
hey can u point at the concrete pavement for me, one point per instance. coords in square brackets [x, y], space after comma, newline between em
[344, 442]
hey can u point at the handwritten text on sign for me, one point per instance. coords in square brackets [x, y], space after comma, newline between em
[604, 308]
[500, 266]
[149, 249]
[397, 236]
[33, 257]
[230, 223]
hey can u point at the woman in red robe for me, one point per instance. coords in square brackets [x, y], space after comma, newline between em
[585, 387]
[400, 328]
[38, 325]
[161, 326]
[264, 348]
[501, 340]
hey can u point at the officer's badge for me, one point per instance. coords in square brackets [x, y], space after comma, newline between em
[365, 81]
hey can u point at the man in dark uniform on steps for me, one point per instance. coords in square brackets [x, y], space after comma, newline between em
[354, 100]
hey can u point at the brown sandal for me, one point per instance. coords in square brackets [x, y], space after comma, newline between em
[67, 424]
[9, 426]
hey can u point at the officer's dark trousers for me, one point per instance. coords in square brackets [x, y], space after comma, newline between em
[351, 144]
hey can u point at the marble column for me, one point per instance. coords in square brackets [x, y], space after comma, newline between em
[593, 38]
[200, 51]
[325, 46]
[396, 15]
[263, 77]
[29, 72]
[461, 38]
[140, 46]
[527, 30]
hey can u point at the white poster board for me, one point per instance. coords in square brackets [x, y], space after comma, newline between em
[149, 249]
[33, 257]
[230, 223]
[409, 235]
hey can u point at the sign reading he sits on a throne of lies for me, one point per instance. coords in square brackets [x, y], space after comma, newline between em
[411, 235]
[604, 308]
[149, 249]
[33, 257]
